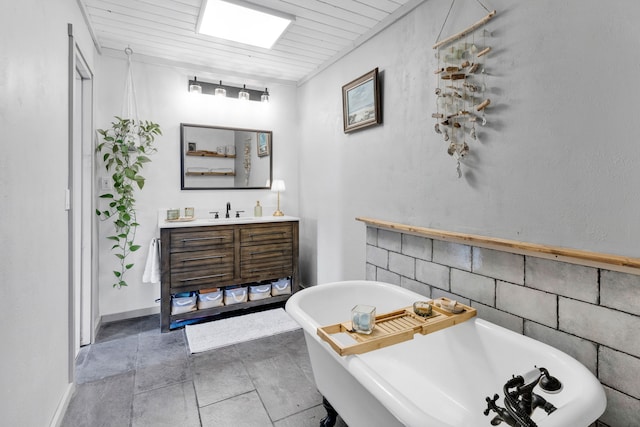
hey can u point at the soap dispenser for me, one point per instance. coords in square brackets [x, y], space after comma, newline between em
[257, 211]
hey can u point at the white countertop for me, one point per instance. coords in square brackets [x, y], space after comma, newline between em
[202, 222]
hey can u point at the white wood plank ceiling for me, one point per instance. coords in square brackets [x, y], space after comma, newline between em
[323, 31]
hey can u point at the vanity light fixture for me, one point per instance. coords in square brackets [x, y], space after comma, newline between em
[194, 87]
[277, 186]
[243, 95]
[220, 91]
[242, 22]
[228, 91]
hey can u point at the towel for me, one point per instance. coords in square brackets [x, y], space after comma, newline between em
[152, 268]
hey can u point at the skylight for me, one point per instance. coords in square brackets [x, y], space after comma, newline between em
[242, 22]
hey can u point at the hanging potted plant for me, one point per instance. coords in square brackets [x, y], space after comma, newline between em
[126, 146]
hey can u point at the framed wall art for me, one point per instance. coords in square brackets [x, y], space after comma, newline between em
[361, 102]
[263, 144]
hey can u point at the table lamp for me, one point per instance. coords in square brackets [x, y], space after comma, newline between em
[278, 186]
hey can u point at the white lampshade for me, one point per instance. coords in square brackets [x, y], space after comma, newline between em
[277, 185]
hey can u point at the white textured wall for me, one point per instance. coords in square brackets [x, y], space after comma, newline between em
[557, 164]
[34, 54]
[163, 98]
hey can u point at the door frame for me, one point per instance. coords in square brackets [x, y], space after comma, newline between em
[81, 204]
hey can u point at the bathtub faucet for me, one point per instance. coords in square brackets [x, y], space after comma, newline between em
[520, 401]
[503, 415]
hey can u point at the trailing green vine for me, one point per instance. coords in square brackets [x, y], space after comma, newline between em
[126, 146]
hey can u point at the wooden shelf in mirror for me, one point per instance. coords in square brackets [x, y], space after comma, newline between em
[210, 174]
[205, 153]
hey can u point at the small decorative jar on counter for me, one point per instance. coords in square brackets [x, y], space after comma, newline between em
[173, 214]
[363, 318]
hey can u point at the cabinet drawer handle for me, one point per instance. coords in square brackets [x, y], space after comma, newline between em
[203, 257]
[277, 233]
[194, 239]
[257, 270]
[212, 276]
[277, 251]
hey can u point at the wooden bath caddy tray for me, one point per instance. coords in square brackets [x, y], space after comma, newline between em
[394, 327]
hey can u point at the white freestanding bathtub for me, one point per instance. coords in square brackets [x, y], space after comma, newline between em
[439, 379]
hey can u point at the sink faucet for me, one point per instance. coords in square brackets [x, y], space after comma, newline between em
[228, 209]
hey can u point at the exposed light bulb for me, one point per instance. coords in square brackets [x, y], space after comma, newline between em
[220, 91]
[243, 95]
[195, 87]
[265, 96]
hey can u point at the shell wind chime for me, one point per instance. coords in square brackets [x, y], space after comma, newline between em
[461, 86]
[247, 161]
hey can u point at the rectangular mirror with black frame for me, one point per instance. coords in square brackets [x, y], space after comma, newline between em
[216, 158]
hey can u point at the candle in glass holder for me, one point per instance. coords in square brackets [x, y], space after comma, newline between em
[363, 318]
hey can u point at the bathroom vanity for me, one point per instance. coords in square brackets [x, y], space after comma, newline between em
[220, 253]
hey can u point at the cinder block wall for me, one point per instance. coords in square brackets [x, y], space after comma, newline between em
[589, 313]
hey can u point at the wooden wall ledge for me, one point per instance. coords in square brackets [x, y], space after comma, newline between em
[574, 256]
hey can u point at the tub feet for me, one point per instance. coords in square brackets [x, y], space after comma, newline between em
[332, 415]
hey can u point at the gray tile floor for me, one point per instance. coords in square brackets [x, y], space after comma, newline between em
[135, 376]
